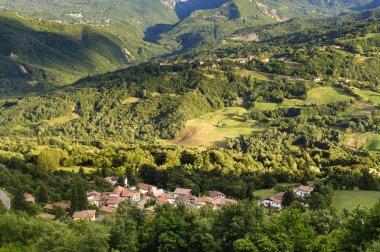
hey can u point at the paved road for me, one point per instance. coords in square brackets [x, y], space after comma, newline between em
[5, 199]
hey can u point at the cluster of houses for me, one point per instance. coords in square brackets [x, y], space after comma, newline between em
[276, 200]
[147, 197]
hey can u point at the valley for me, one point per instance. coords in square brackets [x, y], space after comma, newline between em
[189, 125]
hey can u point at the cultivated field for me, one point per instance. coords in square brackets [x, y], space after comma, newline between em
[214, 129]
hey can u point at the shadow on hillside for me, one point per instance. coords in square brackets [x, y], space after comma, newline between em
[183, 9]
[153, 33]
[374, 4]
[70, 56]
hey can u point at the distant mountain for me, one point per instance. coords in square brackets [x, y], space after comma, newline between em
[216, 26]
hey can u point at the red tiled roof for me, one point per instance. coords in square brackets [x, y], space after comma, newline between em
[182, 191]
[64, 206]
[93, 194]
[204, 199]
[28, 196]
[158, 193]
[305, 188]
[277, 197]
[118, 190]
[144, 186]
[164, 198]
[128, 193]
[85, 214]
[114, 200]
[49, 206]
[107, 209]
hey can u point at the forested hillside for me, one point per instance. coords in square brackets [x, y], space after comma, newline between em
[36, 54]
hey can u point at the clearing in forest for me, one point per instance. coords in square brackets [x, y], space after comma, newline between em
[356, 141]
[214, 129]
[373, 143]
[131, 100]
[323, 95]
[76, 169]
[350, 199]
[369, 95]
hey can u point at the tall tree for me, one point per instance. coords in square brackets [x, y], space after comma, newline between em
[78, 196]
[288, 198]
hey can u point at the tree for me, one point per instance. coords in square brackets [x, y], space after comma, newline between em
[49, 159]
[42, 194]
[2, 208]
[78, 196]
[288, 198]
[244, 245]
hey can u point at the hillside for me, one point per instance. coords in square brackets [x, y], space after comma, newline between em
[209, 28]
[38, 54]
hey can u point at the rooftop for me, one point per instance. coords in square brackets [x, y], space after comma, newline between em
[85, 214]
[277, 197]
[182, 191]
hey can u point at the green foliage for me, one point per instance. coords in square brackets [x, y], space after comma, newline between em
[78, 197]
[288, 198]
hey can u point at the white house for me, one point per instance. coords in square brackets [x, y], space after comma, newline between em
[29, 198]
[273, 201]
[131, 195]
[303, 191]
[146, 188]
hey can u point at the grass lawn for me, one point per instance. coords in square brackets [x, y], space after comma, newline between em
[263, 106]
[346, 199]
[373, 143]
[263, 193]
[214, 129]
[76, 169]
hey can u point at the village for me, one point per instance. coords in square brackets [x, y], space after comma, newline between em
[147, 197]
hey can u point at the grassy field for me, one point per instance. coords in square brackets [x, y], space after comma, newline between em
[319, 95]
[262, 106]
[263, 193]
[351, 199]
[360, 109]
[214, 129]
[369, 95]
[373, 143]
[256, 74]
[356, 141]
[323, 95]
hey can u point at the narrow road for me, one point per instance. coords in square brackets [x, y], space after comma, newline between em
[5, 199]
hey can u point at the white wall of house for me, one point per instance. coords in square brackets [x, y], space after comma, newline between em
[300, 193]
[269, 203]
